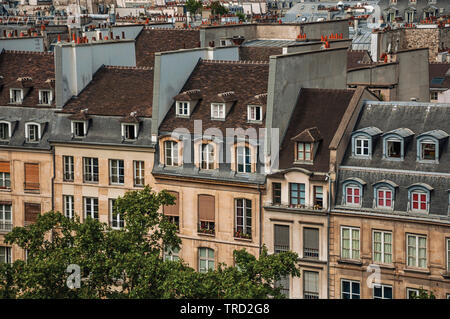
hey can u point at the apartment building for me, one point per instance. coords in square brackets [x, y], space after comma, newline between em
[390, 227]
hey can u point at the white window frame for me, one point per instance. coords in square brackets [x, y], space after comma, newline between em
[383, 243]
[115, 172]
[27, 132]
[350, 293]
[171, 253]
[245, 220]
[68, 168]
[362, 147]
[419, 192]
[183, 106]
[411, 290]
[254, 111]
[351, 239]
[12, 99]
[5, 180]
[427, 140]
[385, 190]
[68, 204]
[382, 291]
[91, 169]
[208, 259]
[73, 126]
[8, 130]
[220, 111]
[124, 131]
[50, 97]
[241, 156]
[353, 186]
[208, 162]
[416, 253]
[93, 204]
[173, 150]
[8, 255]
[117, 219]
[138, 167]
[5, 224]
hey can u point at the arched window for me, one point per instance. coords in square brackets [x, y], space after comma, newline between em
[419, 197]
[32, 132]
[362, 141]
[353, 191]
[384, 194]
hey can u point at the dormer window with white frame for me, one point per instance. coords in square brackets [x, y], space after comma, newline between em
[45, 97]
[254, 113]
[5, 131]
[129, 131]
[394, 143]
[362, 141]
[419, 198]
[218, 111]
[353, 192]
[171, 153]
[428, 146]
[362, 147]
[183, 108]
[79, 129]
[16, 96]
[32, 132]
[384, 194]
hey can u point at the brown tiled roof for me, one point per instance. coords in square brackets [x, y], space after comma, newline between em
[309, 112]
[80, 116]
[25, 69]
[357, 58]
[224, 97]
[439, 70]
[190, 95]
[150, 41]
[116, 91]
[243, 78]
[259, 99]
[130, 118]
[309, 135]
[258, 53]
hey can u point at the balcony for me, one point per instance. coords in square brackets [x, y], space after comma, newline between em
[311, 295]
[68, 177]
[206, 228]
[5, 226]
[312, 253]
[280, 248]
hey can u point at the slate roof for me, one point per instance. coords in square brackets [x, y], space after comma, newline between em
[357, 58]
[312, 104]
[258, 53]
[37, 68]
[116, 91]
[438, 75]
[150, 41]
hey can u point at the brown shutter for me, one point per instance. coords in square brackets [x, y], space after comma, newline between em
[206, 208]
[172, 210]
[32, 212]
[31, 176]
[4, 167]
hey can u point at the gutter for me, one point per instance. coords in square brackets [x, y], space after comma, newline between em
[328, 234]
[260, 220]
[53, 180]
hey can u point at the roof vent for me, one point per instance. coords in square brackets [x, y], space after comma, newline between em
[413, 99]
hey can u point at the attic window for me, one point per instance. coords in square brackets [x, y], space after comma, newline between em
[16, 96]
[304, 151]
[254, 113]
[218, 110]
[32, 132]
[183, 108]
[428, 150]
[394, 148]
[5, 131]
[45, 97]
[129, 131]
[79, 128]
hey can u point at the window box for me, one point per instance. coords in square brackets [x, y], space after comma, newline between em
[239, 234]
[206, 228]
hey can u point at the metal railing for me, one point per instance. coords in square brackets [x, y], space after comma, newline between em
[311, 253]
[280, 248]
[5, 226]
[311, 295]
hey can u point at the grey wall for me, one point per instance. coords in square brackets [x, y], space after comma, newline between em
[382, 74]
[314, 46]
[413, 75]
[35, 44]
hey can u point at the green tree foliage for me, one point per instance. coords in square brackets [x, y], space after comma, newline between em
[423, 294]
[128, 263]
[193, 6]
[241, 16]
[218, 8]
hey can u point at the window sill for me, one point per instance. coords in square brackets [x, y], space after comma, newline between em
[88, 182]
[32, 191]
[243, 239]
[5, 189]
[350, 262]
[446, 275]
[424, 271]
[385, 266]
[206, 234]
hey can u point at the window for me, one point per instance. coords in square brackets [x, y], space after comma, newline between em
[318, 197]
[31, 177]
[68, 206]
[350, 289]
[173, 211]
[362, 146]
[428, 150]
[296, 194]
[5, 175]
[183, 108]
[68, 173]
[5, 217]
[384, 198]
[304, 151]
[205, 259]
[5, 131]
[171, 153]
[254, 113]
[16, 96]
[382, 247]
[281, 238]
[276, 193]
[411, 293]
[45, 97]
[129, 131]
[90, 169]
[217, 111]
[243, 218]
[206, 214]
[90, 207]
[207, 156]
[310, 285]
[419, 200]
[353, 195]
[32, 212]
[311, 243]
[393, 149]
[382, 292]
[243, 159]
[5, 254]
[139, 177]
[284, 285]
[79, 128]
[32, 133]
[117, 221]
[116, 172]
[171, 253]
[416, 250]
[434, 96]
[448, 255]
[350, 243]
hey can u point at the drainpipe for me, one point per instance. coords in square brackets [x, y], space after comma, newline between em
[53, 179]
[328, 234]
[260, 221]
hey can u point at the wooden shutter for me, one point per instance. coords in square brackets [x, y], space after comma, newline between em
[311, 238]
[31, 176]
[206, 208]
[4, 167]
[281, 234]
[32, 212]
[172, 210]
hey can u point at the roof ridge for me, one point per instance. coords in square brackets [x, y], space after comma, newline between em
[178, 29]
[27, 52]
[234, 62]
[119, 67]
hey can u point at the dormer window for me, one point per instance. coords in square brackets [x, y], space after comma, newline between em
[353, 192]
[428, 145]
[32, 132]
[129, 131]
[304, 151]
[207, 156]
[254, 113]
[218, 110]
[384, 194]
[45, 97]
[183, 108]
[79, 128]
[394, 143]
[16, 96]
[362, 147]
[419, 197]
[428, 150]
[243, 159]
[171, 153]
[393, 149]
[362, 141]
[5, 131]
